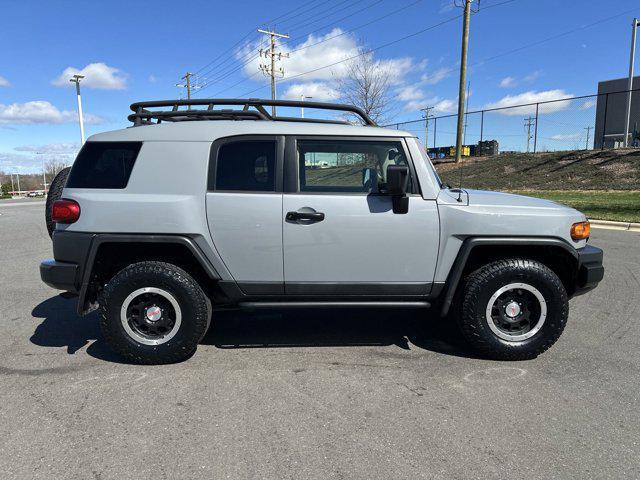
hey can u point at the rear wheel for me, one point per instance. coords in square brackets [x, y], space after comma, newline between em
[55, 192]
[513, 309]
[154, 313]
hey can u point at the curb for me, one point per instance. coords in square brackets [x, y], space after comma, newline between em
[610, 225]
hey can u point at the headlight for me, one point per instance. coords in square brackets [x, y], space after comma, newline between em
[580, 230]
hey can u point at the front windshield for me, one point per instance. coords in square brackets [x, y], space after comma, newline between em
[427, 161]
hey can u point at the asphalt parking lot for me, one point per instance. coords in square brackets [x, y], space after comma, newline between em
[328, 394]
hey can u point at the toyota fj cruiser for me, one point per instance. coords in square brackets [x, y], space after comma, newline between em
[194, 209]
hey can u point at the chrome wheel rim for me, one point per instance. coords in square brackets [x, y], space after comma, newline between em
[151, 316]
[516, 312]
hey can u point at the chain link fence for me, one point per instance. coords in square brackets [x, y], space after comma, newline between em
[574, 123]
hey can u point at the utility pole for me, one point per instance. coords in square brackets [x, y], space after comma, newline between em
[586, 144]
[529, 122]
[426, 116]
[187, 84]
[627, 118]
[270, 68]
[76, 79]
[463, 77]
[303, 97]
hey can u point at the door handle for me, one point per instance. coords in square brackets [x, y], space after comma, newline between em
[310, 216]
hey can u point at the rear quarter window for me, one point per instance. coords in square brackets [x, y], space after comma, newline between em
[104, 165]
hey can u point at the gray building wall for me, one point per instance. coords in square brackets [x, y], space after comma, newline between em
[611, 109]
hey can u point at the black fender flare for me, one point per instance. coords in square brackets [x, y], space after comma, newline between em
[102, 238]
[455, 274]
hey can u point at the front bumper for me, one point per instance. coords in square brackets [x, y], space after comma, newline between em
[590, 269]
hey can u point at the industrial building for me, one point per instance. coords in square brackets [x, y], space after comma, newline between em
[611, 110]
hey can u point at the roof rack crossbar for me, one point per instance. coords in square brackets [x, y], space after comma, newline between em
[143, 116]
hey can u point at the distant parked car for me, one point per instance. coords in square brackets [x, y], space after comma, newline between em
[32, 194]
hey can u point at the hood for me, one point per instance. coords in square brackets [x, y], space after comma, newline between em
[489, 198]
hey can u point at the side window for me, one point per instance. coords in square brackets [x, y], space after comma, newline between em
[104, 165]
[347, 166]
[247, 166]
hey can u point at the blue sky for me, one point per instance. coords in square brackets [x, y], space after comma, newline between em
[136, 50]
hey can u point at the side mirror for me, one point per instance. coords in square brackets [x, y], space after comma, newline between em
[397, 179]
[397, 183]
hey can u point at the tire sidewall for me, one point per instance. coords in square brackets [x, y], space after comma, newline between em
[546, 282]
[183, 343]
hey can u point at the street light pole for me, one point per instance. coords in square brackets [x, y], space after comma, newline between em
[627, 118]
[76, 79]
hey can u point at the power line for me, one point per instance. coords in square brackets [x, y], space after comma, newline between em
[249, 58]
[330, 14]
[281, 24]
[371, 50]
[251, 32]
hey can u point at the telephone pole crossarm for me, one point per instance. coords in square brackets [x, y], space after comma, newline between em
[269, 69]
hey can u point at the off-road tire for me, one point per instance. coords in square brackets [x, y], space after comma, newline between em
[55, 192]
[481, 284]
[194, 304]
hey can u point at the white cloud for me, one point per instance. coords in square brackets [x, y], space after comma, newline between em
[152, 78]
[4, 82]
[409, 93]
[588, 104]
[312, 56]
[533, 76]
[508, 82]
[568, 136]
[529, 98]
[435, 77]
[319, 91]
[40, 112]
[97, 75]
[446, 6]
[318, 51]
[51, 148]
[445, 106]
[16, 163]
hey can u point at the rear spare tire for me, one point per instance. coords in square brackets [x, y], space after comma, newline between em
[55, 192]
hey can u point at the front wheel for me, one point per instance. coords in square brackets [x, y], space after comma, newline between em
[154, 313]
[513, 309]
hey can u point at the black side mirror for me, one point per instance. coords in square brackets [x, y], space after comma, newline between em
[397, 183]
[397, 179]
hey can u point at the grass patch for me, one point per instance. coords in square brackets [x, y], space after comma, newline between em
[623, 206]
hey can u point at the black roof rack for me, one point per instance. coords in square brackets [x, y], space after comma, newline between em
[143, 116]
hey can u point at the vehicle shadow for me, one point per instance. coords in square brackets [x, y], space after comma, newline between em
[236, 329]
[336, 327]
[63, 327]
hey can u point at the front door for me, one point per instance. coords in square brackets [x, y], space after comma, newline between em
[341, 235]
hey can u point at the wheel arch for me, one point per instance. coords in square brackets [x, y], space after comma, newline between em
[109, 253]
[555, 253]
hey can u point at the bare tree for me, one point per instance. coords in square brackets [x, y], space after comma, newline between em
[53, 166]
[366, 85]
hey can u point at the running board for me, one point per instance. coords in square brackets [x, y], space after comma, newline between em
[372, 304]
